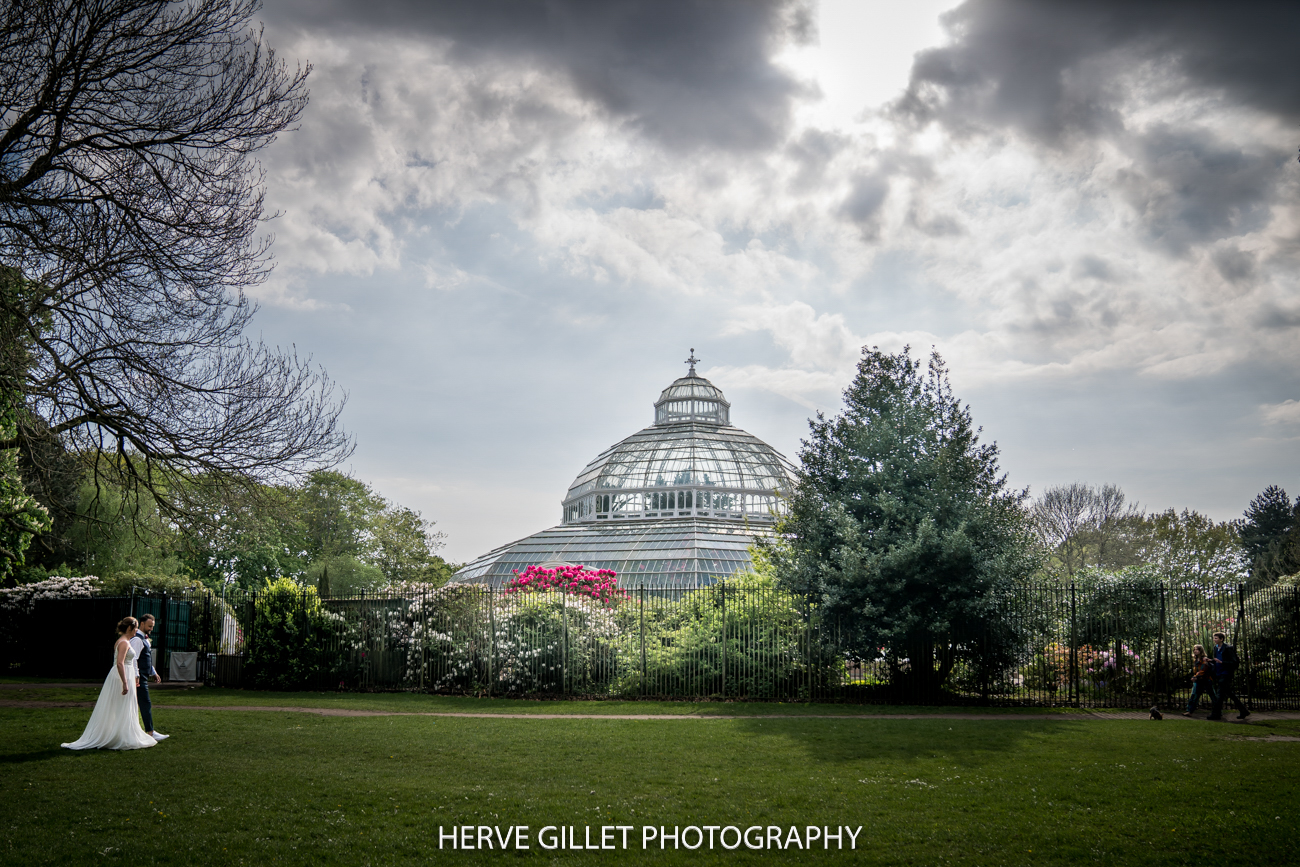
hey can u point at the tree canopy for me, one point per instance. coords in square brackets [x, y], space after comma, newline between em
[1091, 532]
[901, 523]
[1270, 534]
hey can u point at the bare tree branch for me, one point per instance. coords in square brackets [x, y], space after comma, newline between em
[130, 204]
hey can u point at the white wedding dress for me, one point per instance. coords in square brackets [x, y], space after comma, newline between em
[115, 721]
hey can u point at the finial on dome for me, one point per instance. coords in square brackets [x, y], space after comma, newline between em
[691, 361]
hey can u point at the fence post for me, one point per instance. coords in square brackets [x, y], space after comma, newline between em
[1159, 683]
[492, 649]
[250, 637]
[1237, 634]
[564, 642]
[166, 624]
[723, 585]
[1074, 652]
[643, 641]
[207, 639]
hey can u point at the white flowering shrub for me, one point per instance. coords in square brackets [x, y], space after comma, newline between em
[530, 652]
[23, 597]
[467, 639]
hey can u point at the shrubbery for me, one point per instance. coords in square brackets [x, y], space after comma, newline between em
[292, 639]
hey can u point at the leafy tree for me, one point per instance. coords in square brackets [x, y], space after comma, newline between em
[1268, 518]
[119, 531]
[130, 202]
[1271, 534]
[366, 541]
[1190, 549]
[344, 575]
[901, 523]
[1091, 534]
[406, 548]
[337, 513]
[22, 517]
[293, 633]
[247, 540]
[333, 532]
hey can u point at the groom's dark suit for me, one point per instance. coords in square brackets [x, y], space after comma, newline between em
[145, 667]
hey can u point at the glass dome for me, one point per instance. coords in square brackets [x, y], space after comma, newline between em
[681, 469]
[676, 504]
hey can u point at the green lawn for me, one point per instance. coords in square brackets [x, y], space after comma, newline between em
[247, 787]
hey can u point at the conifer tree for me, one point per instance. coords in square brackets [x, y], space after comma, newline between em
[901, 523]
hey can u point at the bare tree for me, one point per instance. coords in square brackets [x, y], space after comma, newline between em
[1061, 515]
[1110, 514]
[1077, 520]
[130, 207]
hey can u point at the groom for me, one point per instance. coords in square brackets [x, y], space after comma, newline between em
[143, 648]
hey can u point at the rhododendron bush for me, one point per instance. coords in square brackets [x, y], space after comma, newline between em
[601, 585]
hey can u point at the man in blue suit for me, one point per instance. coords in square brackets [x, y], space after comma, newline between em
[1226, 663]
[144, 664]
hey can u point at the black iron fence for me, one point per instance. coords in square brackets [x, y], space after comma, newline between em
[1111, 646]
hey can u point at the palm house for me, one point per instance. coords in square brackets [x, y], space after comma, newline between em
[676, 504]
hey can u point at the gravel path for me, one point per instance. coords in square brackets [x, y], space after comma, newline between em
[1004, 717]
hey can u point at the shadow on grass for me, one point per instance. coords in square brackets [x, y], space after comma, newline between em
[34, 756]
[970, 743]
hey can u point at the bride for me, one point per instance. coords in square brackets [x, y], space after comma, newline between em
[115, 722]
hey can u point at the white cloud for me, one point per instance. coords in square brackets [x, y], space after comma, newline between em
[1285, 413]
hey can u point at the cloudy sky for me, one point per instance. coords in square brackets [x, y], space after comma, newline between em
[506, 223]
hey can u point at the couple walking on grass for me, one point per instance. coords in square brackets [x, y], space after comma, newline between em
[123, 715]
[1212, 674]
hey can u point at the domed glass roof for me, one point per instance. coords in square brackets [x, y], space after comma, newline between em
[677, 469]
[690, 462]
[676, 504]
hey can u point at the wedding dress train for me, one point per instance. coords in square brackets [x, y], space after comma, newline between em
[115, 721]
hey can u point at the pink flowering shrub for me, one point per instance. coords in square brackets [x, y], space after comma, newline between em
[600, 585]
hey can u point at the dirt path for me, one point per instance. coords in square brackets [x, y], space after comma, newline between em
[348, 712]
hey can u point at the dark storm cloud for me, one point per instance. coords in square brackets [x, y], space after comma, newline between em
[686, 73]
[1193, 189]
[1064, 72]
[1048, 69]
[865, 199]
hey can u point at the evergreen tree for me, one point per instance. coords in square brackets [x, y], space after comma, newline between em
[1266, 534]
[901, 523]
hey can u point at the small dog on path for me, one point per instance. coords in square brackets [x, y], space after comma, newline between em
[1155, 713]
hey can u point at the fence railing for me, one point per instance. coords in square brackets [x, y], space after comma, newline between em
[1111, 646]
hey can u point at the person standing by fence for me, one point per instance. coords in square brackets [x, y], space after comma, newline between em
[1202, 678]
[1226, 663]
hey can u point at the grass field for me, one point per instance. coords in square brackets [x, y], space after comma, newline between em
[257, 787]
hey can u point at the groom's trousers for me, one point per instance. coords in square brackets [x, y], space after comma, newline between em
[146, 706]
